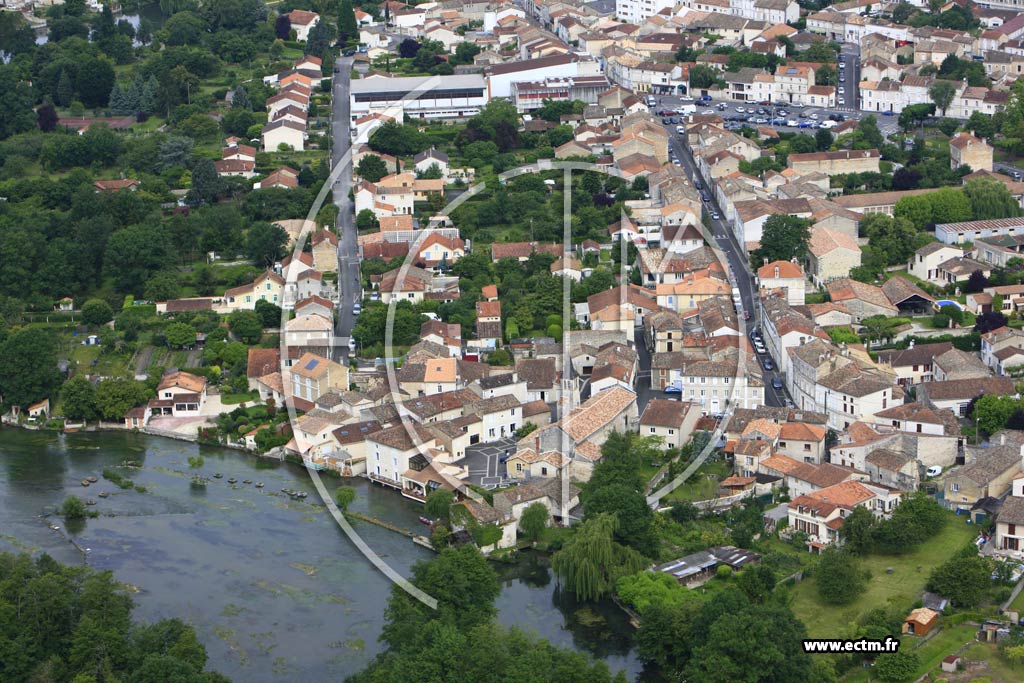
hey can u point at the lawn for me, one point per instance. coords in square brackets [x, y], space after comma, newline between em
[929, 652]
[1000, 670]
[702, 484]
[901, 588]
[92, 360]
[233, 399]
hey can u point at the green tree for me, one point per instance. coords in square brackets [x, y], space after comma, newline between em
[115, 397]
[265, 243]
[246, 325]
[991, 412]
[839, 577]
[180, 335]
[269, 313]
[783, 238]
[635, 519]
[398, 140]
[916, 208]
[344, 496]
[702, 76]
[896, 666]
[533, 521]
[73, 508]
[591, 561]
[949, 205]
[857, 530]
[28, 366]
[134, 254]
[823, 139]
[757, 582]
[206, 183]
[78, 398]
[163, 286]
[990, 199]
[941, 94]
[96, 312]
[439, 505]
[372, 168]
[348, 29]
[367, 220]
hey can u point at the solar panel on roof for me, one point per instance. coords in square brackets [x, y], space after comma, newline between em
[312, 364]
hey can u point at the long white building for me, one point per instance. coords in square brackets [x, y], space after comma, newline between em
[426, 97]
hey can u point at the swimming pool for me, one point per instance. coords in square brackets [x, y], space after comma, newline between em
[947, 302]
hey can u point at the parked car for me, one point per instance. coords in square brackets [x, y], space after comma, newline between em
[715, 216]
[740, 110]
[705, 98]
[793, 123]
[813, 116]
[357, 309]
[673, 390]
[721, 106]
[767, 364]
[934, 471]
[705, 197]
[776, 384]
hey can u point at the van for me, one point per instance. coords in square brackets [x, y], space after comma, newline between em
[651, 102]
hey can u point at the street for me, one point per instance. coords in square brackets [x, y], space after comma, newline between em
[740, 271]
[349, 286]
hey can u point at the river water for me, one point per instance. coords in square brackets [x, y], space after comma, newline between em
[274, 588]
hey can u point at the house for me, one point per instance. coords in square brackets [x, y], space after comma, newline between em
[785, 275]
[956, 364]
[390, 452]
[438, 250]
[116, 185]
[802, 442]
[862, 300]
[423, 161]
[967, 150]
[703, 565]
[913, 365]
[989, 472]
[672, 421]
[836, 163]
[820, 514]
[831, 255]
[957, 394]
[284, 178]
[284, 132]
[302, 21]
[39, 410]
[312, 376]
[179, 394]
[557, 496]
[926, 261]
[1000, 340]
[920, 621]
[908, 298]
[268, 286]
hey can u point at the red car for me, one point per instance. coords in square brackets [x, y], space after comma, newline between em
[746, 315]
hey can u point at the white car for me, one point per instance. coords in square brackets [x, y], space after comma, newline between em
[740, 110]
[842, 90]
[793, 123]
[842, 101]
[813, 116]
[827, 124]
[352, 343]
[934, 471]
[708, 112]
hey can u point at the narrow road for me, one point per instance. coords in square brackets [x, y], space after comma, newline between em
[349, 289]
[740, 272]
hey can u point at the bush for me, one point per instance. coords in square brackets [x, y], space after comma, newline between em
[840, 579]
[97, 312]
[896, 666]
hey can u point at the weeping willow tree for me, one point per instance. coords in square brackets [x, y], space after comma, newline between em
[591, 561]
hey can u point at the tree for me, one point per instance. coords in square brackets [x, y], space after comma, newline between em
[246, 325]
[115, 397]
[986, 322]
[757, 582]
[398, 140]
[990, 199]
[857, 530]
[949, 205]
[16, 34]
[823, 139]
[896, 666]
[269, 313]
[839, 577]
[180, 335]
[78, 398]
[372, 168]
[46, 115]
[265, 243]
[533, 521]
[366, 220]
[783, 238]
[976, 282]
[591, 561]
[916, 208]
[991, 412]
[134, 254]
[635, 519]
[283, 27]
[941, 94]
[28, 366]
[96, 312]
[65, 90]
[439, 504]
[348, 29]
[343, 497]
[94, 81]
[73, 508]
[206, 182]
[408, 48]
[702, 76]
[176, 152]
[163, 286]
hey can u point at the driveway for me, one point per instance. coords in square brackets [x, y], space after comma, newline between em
[483, 462]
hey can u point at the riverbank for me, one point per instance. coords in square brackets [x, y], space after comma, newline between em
[274, 587]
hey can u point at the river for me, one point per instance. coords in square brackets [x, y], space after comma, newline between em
[274, 588]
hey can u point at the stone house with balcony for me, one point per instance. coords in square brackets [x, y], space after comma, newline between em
[989, 472]
[967, 150]
[820, 514]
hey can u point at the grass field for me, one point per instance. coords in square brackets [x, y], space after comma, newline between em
[929, 652]
[702, 484]
[901, 588]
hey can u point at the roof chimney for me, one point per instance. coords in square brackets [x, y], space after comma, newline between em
[776, 271]
[911, 345]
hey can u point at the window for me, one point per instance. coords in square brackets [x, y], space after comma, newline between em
[652, 430]
[519, 467]
[807, 447]
[782, 444]
[955, 488]
[544, 471]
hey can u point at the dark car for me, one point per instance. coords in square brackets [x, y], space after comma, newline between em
[704, 197]
[349, 53]
[777, 384]
[705, 98]
[696, 184]
[767, 364]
